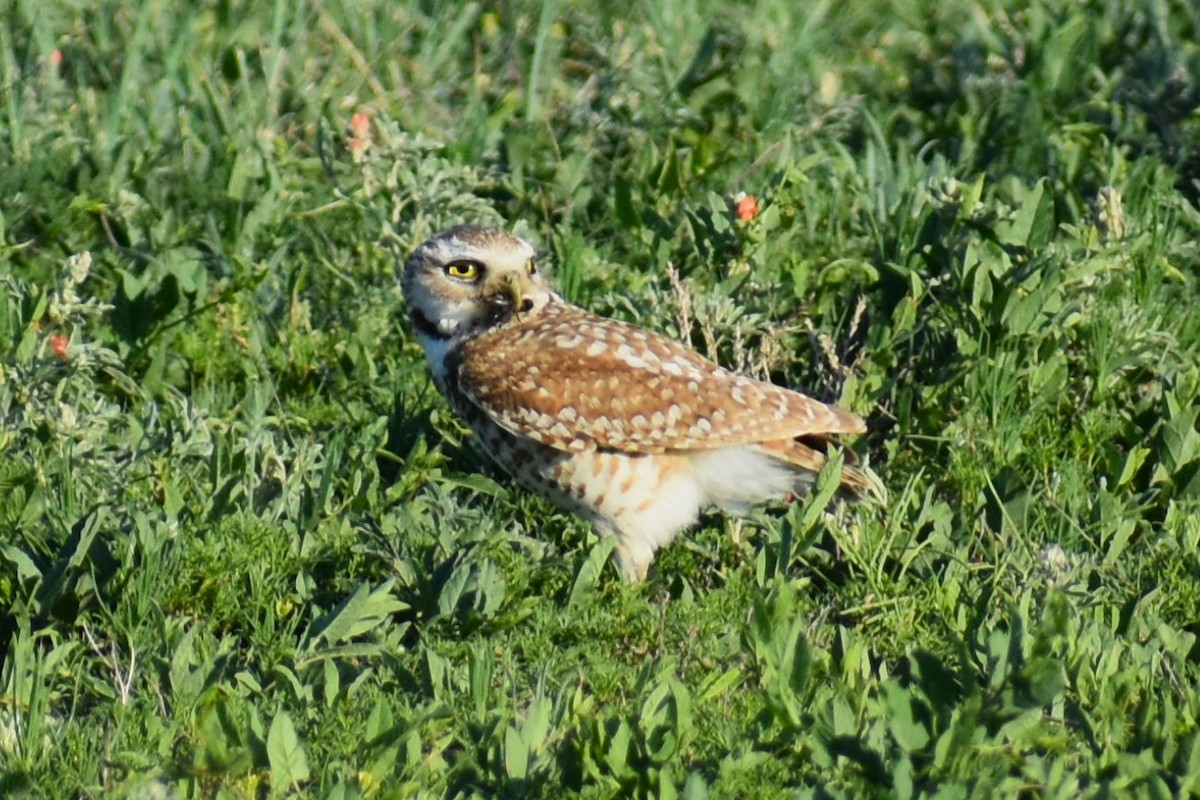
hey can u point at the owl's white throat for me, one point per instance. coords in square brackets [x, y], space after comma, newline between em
[436, 339]
[425, 327]
[436, 349]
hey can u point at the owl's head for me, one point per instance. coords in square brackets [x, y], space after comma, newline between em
[469, 279]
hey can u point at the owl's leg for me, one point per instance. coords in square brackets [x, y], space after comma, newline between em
[634, 557]
[633, 553]
[653, 499]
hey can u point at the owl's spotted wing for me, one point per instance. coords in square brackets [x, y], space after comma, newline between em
[575, 381]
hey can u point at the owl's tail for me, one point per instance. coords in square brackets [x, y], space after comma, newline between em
[737, 478]
[810, 454]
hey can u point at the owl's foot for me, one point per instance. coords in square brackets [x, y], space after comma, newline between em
[634, 558]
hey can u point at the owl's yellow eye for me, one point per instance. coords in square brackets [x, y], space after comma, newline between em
[530, 267]
[464, 270]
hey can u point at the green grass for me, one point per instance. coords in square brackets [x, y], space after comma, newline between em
[246, 551]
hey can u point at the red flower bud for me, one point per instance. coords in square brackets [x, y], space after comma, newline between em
[747, 208]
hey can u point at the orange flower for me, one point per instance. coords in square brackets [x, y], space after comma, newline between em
[747, 207]
[58, 346]
[360, 134]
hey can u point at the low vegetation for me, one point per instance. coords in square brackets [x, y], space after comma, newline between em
[246, 551]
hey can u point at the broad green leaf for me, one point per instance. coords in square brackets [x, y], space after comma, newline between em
[1034, 223]
[1181, 443]
[26, 569]
[379, 721]
[972, 192]
[1193, 765]
[694, 788]
[33, 331]
[718, 209]
[332, 682]
[1068, 54]
[537, 723]
[623, 205]
[666, 719]
[589, 572]
[669, 177]
[1023, 730]
[902, 777]
[616, 757]
[1118, 540]
[910, 734]
[436, 668]
[1134, 458]
[359, 613]
[516, 754]
[454, 588]
[476, 483]
[289, 764]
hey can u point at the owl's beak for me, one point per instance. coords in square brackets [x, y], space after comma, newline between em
[508, 300]
[512, 285]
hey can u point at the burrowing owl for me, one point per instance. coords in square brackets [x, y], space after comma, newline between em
[632, 431]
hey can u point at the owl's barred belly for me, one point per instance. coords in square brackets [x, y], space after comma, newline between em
[646, 499]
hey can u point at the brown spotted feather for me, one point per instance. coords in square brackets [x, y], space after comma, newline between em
[576, 381]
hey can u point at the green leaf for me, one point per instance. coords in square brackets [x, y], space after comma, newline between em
[332, 682]
[909, 734]
[32, 332]
[623, 201]
[588, 576]
[1034, 223]
[616, 756]
[823, 490]
[719, 209]
[481, 484]
[1132, 463]
[669, 178]
[289, 765]
[357, 614]
[26, 568]
[454, 588]
[1193, 766]
[1023, 310]
[694, 788]
[379, 721]
[537, 723]
[1118, 540]
[1023, 730]
[718, 683]
[1044, 679]
[782, 652]
[1179, 438]
[666, 719]
[971, 194]
[516, 754]
[1068, 54]
[481, 667]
